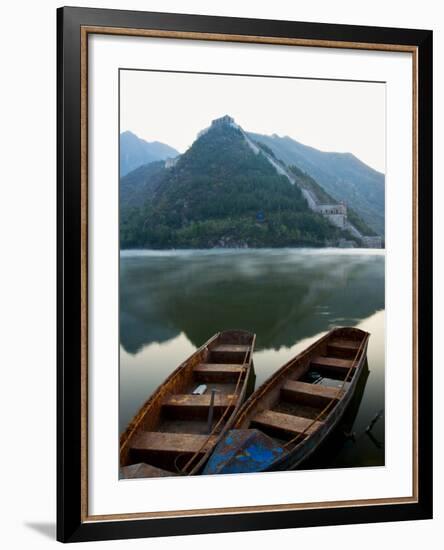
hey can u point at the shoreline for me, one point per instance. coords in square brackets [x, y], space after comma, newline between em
[184, 251]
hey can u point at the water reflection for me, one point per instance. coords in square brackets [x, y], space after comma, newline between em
[282, 295]
[171, 302]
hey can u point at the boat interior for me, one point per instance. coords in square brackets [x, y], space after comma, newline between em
[184, 420]
[298, 402]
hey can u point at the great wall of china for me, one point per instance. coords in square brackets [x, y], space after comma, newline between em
[335, 213]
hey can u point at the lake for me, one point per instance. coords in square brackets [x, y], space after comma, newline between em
[172, 301]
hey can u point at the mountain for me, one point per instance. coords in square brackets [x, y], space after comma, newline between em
[135, 152]
[343, 176]
[224, 191]
[140, 184]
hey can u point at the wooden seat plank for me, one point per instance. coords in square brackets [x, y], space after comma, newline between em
[344, 344]
[221, 400]
[218, 368]
[171, 442]
[311, 390]
[286, 422]
[231, 348]
[331, 362]
[217, 372]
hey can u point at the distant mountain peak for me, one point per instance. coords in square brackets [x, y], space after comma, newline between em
[135, 152]
[128, 135]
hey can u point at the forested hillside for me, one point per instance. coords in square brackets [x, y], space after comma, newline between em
[219, 193]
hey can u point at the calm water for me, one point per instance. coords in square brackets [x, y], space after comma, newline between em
[173, 301]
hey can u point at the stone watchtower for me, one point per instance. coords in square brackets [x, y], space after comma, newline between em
[335, 213]
[225, 120]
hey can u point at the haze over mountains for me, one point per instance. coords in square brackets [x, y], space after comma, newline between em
[237, 189]
[135, 151]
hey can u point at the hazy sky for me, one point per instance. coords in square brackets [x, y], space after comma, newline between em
[329, 115]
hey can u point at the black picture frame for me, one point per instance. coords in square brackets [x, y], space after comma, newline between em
[72, 524]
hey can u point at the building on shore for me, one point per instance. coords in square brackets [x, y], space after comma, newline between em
[372, 242]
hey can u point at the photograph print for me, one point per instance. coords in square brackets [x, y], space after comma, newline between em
[252, 262]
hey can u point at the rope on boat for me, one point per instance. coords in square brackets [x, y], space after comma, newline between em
[183, 470]
[332, 400]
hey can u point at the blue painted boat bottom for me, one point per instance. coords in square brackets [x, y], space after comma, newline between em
[244, 451]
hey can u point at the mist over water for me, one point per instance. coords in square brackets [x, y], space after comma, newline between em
[171, 302]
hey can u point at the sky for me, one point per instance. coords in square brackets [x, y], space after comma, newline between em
[325, 114]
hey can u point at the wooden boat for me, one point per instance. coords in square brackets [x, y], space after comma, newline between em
[178, 427]
[290, 415]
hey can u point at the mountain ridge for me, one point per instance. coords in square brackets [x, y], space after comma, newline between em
[225, 190]
[135, 152]
[342, 175]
